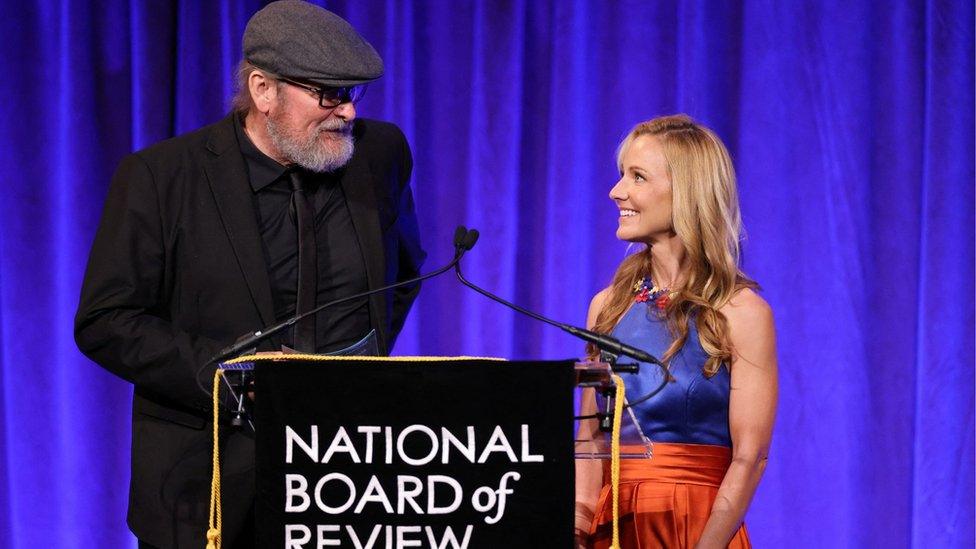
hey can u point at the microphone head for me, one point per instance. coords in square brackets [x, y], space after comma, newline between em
[459, 233]
[470, 239]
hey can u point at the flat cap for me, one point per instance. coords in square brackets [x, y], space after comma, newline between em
[298, 40]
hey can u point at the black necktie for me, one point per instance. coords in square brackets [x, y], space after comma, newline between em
[307, 264]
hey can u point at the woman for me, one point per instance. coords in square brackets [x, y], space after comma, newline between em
[684, 299]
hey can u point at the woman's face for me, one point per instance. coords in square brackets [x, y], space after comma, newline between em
[643, 193]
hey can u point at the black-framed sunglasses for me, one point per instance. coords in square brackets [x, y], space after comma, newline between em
[330, 98]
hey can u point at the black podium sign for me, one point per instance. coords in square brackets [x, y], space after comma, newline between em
[388, 454]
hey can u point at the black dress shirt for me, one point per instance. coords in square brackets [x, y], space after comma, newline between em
[340, 259]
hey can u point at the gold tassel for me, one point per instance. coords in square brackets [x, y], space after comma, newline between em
[213, 532]
[618, 412]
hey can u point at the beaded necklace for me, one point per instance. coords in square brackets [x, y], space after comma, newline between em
[646, 292]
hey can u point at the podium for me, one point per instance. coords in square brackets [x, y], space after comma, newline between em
[412, 452]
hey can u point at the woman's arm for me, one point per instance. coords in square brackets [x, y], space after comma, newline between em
[752, 409]
[589, 472]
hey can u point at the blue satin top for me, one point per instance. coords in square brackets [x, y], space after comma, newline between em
[693, 408]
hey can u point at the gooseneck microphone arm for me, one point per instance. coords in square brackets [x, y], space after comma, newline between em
[603, 342]
[250, 340]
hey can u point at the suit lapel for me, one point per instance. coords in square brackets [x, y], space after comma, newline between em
[227, 176]
[358, 188]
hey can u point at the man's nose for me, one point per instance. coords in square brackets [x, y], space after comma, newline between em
[346, 111]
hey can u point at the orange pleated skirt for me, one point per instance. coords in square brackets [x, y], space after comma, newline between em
[665, 500]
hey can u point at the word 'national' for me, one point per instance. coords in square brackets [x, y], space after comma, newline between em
[427, 444]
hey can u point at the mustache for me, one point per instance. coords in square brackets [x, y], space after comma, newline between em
[336, 125]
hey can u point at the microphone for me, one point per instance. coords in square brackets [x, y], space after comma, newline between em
[250, 340]
[460, 233]
[468, 240]
[603, 342]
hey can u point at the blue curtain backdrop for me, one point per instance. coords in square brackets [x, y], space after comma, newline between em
[851, 124]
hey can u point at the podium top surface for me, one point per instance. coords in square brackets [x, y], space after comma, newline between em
[247, 362]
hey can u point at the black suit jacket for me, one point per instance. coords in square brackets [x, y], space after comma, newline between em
[177, 272]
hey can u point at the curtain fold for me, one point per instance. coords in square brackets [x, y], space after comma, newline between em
[850, 123]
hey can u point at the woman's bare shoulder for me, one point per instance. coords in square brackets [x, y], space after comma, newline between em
[596, 305]
[747, 308]
[752, 330]
[601, 297]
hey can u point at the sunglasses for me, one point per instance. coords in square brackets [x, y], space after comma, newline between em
[329, 97]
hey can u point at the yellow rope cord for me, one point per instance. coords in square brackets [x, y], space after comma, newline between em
[213, 532]
[618, 413]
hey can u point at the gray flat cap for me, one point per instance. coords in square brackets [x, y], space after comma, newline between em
[298, 40]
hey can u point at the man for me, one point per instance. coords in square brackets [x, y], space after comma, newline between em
[288, 202]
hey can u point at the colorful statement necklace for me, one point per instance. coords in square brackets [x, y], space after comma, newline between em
[646, 292]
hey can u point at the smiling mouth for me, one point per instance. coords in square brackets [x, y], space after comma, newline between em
[627, 213]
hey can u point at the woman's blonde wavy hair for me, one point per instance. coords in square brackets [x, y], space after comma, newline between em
[705, 216]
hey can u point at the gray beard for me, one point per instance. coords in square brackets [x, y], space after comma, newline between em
[308, 152]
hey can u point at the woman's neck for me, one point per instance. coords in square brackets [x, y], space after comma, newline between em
[667, 263]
